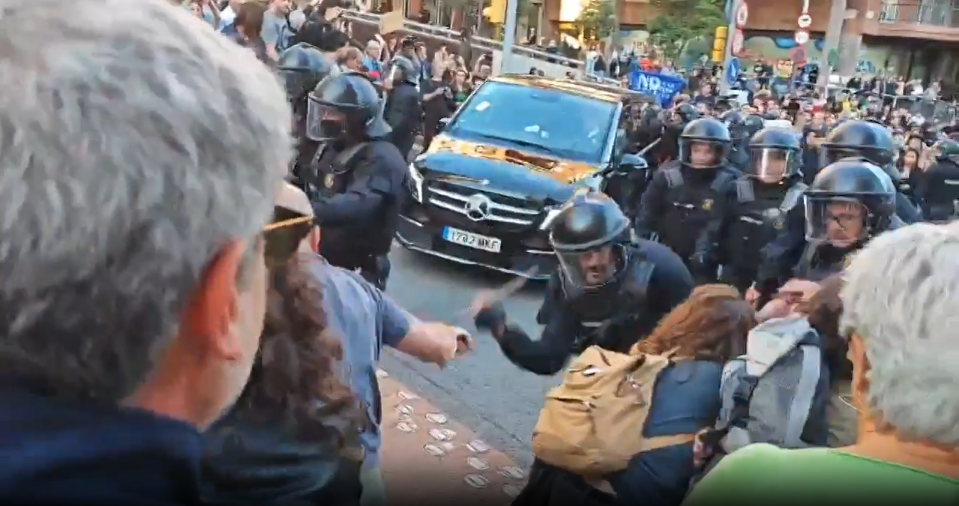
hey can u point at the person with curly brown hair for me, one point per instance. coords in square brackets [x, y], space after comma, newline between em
[702, 333]
[305, 429]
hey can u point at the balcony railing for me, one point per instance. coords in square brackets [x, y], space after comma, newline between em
[923, 12]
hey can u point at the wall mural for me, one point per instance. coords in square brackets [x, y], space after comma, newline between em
[873, 57]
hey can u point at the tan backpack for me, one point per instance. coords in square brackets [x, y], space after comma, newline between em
[592, 424]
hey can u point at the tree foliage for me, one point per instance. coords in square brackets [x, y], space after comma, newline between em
[598, 18]
[681, 21]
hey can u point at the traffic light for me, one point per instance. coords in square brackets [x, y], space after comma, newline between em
[719, 44]
[496, 12]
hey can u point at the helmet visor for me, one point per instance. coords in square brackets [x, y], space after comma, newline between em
[831, 154]
[840, 221]
[324, 122]
[702, 154]
[770, 165]
[591, 268]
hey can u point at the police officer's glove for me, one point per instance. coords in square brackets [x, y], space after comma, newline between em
[490, 317]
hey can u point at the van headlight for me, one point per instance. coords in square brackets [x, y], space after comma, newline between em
[551, 214]
[416, 183]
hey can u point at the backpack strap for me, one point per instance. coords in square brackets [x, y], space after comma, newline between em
[674, 177]
[744, 190]
[346, 156]
[792, 197]
[655, 443]
[805, 393]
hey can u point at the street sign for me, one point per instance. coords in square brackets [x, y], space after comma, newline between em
[732, 71]
[801, 37]
[804, 21]
[742, 14]
[798, 55]
[737, 42]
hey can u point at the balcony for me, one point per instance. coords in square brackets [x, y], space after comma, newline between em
[917, 19]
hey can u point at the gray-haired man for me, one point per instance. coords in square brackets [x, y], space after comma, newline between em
[139, 152]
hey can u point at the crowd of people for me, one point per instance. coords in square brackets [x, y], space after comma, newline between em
[181, 322]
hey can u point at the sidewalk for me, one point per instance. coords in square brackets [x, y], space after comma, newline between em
[428, 456]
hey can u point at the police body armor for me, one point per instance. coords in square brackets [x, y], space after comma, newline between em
[358, 243]
[819, 261]
[762, 215]
[690, 208]
[940, 201]
[613, 323]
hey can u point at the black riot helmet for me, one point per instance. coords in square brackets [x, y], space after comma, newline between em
[590, 235]
[753, 124]
[704, 144]
[735, 124]
[774, 154]
[345, 106]
[684, 113]
[849, 201]
[947, 151]
[302, 67]
[402, 70]
[863, 139]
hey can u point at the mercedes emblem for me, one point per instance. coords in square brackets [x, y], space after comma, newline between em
[478, 207]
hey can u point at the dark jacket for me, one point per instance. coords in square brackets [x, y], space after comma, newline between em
[80, 453]
[686, 400]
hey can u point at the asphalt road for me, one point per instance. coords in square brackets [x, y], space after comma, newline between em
[484, 390]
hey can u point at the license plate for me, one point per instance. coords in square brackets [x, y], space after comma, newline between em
[471, 240]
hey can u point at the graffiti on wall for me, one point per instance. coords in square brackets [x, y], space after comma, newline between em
[872, 57]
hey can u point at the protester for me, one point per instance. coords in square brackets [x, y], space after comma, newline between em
[903, 353]
[133, 273]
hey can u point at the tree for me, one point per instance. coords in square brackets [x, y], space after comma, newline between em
[598, 18]
[681, 21]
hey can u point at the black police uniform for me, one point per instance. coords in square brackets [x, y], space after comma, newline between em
[864, 141]
[938, 185]
[770, 188]
[301, 68]
[682, 202]
[362, 175]
[649, 281]
[844, 181]
[404, 104]
[739, 147]
[873, 142]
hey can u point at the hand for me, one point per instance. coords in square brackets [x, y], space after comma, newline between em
[803, 287]
[446, 342]
[752, 295]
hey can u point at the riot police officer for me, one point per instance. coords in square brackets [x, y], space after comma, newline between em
[688, 195]
[938, 186]
[738, 149]
[872, 142]
[301, 68]
[849, 202]
[676, 121]
[607, 291]
[404, 107]
[361, 175]
[753, 124]
[769, 190]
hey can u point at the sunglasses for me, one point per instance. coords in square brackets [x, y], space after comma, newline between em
[282, 237]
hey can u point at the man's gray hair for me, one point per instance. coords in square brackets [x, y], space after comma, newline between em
[900, 295]
[135, 142]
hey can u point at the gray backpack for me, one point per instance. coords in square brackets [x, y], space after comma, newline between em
[772, 393]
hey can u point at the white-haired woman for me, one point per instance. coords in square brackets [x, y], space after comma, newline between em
[899, 312]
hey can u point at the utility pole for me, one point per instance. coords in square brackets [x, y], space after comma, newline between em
[614, 35]
[728, 54]
[509, 37]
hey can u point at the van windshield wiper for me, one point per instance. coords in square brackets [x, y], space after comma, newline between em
[525, 144]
